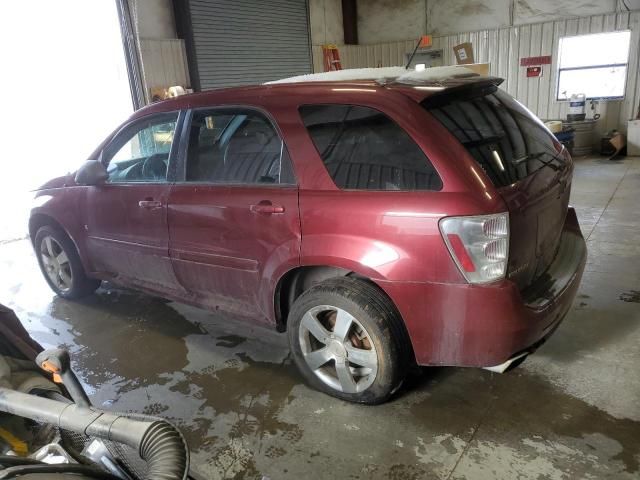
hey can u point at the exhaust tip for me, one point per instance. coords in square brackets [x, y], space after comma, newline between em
[510, 364]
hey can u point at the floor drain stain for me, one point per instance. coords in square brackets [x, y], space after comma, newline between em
[631, 296]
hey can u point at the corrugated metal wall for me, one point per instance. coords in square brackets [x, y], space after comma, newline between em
[164, 63]
[504, 47]
[240, 42]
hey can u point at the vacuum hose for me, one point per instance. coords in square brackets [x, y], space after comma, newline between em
[164, 448]
[158, 442]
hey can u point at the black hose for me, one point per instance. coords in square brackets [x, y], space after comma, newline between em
[60, 469]
[163, 448]
[10, 461]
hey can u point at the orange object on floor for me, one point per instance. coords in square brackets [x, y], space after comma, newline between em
[331, 58]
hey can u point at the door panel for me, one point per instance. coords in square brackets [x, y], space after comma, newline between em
[126, 224]
[127, 239]
[233, 218]
[224, 253]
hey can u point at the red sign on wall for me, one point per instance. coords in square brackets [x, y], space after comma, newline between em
[529, 61]
[534, 71]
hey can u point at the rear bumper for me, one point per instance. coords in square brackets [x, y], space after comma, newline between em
[483, 326]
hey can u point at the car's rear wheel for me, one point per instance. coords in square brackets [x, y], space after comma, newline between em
[347, 340]
[61, 265]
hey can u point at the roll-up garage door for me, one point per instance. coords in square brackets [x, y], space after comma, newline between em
[241, 42]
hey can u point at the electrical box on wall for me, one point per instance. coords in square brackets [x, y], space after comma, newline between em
[428, 57]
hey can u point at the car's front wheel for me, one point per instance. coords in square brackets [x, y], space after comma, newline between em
[61, 265]
[347, 340]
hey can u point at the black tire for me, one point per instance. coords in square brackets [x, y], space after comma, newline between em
[80, 285]
[381, 322]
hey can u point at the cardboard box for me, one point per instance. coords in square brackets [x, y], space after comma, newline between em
[618, 142]
[162, 93]
[479, 68]
[464, 53]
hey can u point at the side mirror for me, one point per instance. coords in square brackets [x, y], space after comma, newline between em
[92, 172]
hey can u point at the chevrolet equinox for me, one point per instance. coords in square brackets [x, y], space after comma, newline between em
[379, 222]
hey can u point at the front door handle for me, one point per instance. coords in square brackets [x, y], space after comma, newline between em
[149, 203]
[266, 207]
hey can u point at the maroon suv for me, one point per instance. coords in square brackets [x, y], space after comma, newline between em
[378, 223]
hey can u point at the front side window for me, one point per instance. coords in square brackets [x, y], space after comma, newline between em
[594, 65]
[363, 149]
[141, 153]
[236, 146]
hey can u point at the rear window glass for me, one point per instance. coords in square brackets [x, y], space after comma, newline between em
[363, 149]
[506, 140]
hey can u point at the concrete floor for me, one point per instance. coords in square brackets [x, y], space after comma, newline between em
[570, 411]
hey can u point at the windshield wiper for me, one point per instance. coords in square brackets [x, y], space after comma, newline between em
[537, 155]
[526, 158]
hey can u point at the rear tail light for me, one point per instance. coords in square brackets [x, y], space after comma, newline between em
[479, 245]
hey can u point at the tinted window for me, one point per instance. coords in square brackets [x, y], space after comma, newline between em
[141, 152]
[235, 147]
[506, 140]
[364, 149]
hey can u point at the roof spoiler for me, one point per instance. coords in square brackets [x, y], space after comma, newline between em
[461, 89]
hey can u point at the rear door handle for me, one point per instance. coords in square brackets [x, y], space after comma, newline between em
[149, 204]
[266, 207]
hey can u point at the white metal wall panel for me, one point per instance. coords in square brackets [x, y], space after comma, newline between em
[632, 103]
[546, 45]
[504, 47]
[164, 63]
[240, 42]
[316, 53]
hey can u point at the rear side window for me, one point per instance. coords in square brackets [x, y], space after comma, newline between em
[504, 138]
[363, 149]
[236, 146]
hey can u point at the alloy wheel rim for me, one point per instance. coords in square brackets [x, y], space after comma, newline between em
[56, 263]
[338, 349]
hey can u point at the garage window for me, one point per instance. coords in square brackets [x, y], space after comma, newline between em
[363, 149]
[595, 65]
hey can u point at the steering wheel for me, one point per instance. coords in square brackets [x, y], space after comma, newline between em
[155, 167]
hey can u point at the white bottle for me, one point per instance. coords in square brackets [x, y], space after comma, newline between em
[577, 107]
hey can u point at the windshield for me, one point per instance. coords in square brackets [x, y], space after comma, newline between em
[506, 139]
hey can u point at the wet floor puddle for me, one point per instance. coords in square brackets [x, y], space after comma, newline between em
[245, 417]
